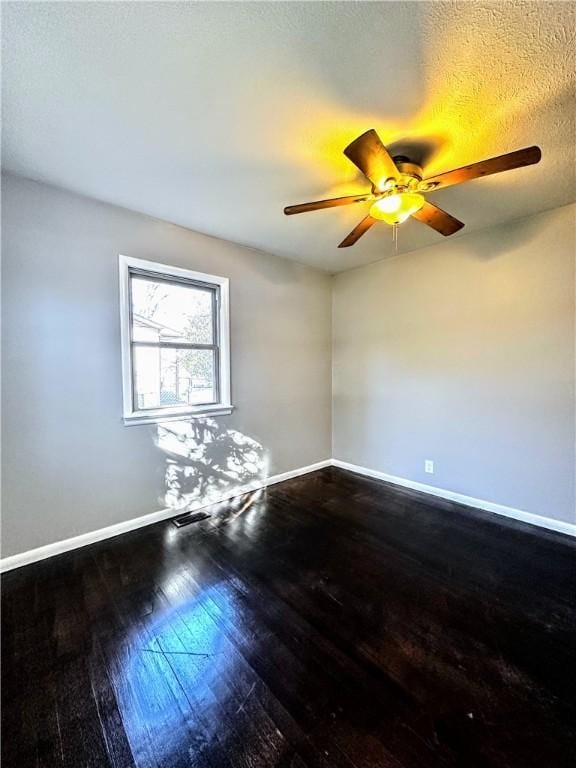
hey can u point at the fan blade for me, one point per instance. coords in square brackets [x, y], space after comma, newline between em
[357, 232]
[371, 156]
[517, 159]
[438, 219]
[319, 204]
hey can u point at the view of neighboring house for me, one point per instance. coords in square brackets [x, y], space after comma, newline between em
[170, 375]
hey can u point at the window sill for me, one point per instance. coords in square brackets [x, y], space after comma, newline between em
[168, 414]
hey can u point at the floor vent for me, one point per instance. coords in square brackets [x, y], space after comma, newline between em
[189, 517]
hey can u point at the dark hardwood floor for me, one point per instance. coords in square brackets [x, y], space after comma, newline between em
[331, 621]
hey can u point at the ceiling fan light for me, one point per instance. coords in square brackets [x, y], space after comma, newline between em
[394, 209]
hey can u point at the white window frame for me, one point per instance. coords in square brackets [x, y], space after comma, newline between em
[133, 415]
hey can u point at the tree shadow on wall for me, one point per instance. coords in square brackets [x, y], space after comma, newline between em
[205, 461]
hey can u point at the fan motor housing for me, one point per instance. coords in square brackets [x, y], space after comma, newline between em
[407, 167]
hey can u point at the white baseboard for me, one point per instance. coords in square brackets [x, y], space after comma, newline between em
[58, 547]
[470, 501]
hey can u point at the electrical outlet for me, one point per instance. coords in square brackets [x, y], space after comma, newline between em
[429, 466]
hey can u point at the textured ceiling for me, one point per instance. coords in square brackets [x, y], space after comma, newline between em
[216, 115]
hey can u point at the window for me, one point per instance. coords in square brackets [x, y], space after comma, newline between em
[175, 342]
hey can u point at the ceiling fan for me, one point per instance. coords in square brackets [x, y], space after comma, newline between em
[398, 186]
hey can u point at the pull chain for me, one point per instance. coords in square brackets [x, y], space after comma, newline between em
[395, 238]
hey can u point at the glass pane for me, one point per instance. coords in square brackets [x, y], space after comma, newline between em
[166, 377]
[174, 312]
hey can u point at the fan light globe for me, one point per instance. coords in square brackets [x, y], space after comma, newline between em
[394, 209]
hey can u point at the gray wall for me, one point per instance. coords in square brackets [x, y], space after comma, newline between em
[69, 464]
[464, 353]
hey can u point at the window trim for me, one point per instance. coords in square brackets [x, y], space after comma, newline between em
[131, 414]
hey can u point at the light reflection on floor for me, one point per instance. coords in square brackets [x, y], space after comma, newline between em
[180, 681]
[168, 680]
[240, 515]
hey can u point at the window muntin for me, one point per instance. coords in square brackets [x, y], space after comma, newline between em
[175, 345]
